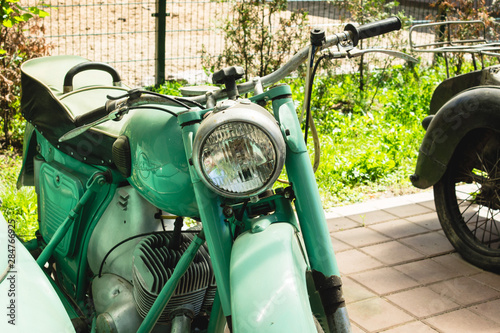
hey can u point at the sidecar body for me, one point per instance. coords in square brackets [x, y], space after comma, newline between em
[29, 301]
[458, 106]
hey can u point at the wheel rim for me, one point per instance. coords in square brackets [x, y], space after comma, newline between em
[477, 192]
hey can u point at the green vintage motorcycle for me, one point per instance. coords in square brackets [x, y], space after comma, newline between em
[117, 171]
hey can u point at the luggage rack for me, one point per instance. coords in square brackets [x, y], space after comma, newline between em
[479, 46]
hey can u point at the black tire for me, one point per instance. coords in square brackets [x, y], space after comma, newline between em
[467, 199]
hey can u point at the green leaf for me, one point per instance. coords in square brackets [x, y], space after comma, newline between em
[43, 13]
[7, 23]
[26, 17]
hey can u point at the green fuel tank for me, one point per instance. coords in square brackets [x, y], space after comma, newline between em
[158, 164]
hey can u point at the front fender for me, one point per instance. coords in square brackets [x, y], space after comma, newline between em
[472, 109]
[268, 282]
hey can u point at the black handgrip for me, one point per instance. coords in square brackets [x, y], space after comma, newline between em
[91, 116]
[84, 66]
[373, 29]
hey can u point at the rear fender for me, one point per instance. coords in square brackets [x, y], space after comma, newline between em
[268, 282]
[489, 76]
[472, 109]
[29, 301]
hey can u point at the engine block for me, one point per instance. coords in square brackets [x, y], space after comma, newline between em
[154, 260]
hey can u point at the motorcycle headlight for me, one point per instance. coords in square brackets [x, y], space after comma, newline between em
[240, 151]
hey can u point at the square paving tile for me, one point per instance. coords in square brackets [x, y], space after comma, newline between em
[376, 314]
[340, 223]
[398, 228]
[429, 221]
[413, 327]
[430, 244]
[427, 271]
[353, 261]
[384, 280]
[392, 253]
[465, 290]
[422, 302]
[455, 262]
[339, 246]
[369, 218]
[408, 210]
[462, 321]
[490, 279]
[429, 204]
[361, 236]
[490, 310]
[356, 329]
[354, 291]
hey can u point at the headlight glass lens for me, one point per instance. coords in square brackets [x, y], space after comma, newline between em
[238, 157]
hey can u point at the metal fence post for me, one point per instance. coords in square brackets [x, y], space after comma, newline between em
[161, 14]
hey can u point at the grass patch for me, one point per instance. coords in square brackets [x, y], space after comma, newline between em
[369, 139]
[17, 205]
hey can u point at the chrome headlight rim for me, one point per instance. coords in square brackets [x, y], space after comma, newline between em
[247, 113]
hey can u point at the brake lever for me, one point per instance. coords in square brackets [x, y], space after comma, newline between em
[113, 115]
[357, 53]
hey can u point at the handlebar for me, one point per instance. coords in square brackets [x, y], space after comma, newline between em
[91, 116]
[373, 29]
[351, 34]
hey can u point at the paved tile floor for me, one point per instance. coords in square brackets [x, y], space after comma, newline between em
[401, 274]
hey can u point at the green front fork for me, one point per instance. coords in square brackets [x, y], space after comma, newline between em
[217, 235]
[310, 212]
[311, 215]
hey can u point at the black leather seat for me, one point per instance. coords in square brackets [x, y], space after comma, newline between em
[53, 113]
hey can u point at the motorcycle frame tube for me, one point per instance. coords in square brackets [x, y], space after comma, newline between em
[168, 289]
[83, 265]
[217, 233]
[217, 321]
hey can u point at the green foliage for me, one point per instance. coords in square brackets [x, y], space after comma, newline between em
[15, 48]
[259, 38]
[12, 13]
[171, 88]
[364, 11]
[17, 205]
[463, 10]
[369, 141]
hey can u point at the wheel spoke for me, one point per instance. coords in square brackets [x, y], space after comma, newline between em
[482, 163]
[486, 226]
[471, 202]
[471, 221]
[479, 226]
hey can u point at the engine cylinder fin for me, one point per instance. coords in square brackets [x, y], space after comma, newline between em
[153, 265]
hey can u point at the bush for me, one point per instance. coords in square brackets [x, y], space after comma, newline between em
[369, 140]
[259, 38]
[16, 47]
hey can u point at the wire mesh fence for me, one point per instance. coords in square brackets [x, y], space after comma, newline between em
[122, 33]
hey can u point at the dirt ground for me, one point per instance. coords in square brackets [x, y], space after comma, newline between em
[123, 33]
